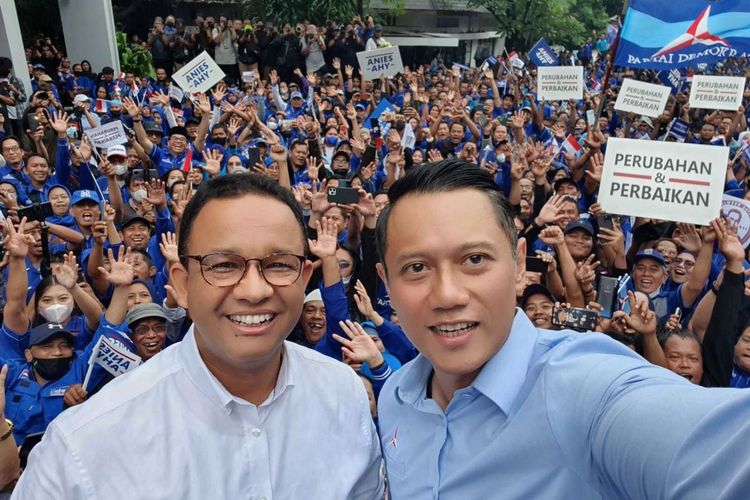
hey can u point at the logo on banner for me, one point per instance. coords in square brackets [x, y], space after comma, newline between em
[737, 211]
[697, 33]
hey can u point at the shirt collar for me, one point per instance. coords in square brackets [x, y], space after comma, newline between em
[210, 386]
[500, 379]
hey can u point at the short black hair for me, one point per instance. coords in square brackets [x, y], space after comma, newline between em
[444, 176]
[683, 333]
[235, 186]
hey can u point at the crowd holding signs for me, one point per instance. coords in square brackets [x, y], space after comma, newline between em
[288, 223]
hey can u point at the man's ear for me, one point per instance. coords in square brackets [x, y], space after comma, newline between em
[383, 275]
[152, 271]
[27, 355]
[178, 275]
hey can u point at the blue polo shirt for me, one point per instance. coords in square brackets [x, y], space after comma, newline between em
[564, 415]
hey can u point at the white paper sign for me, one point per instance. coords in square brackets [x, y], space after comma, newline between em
[737, 211]
[105, 136]
[199, 75]
[717, 92]
[559, 83]
[642, 98]
[176, 93]
[663, 180]
[380, 62]
[114, 358]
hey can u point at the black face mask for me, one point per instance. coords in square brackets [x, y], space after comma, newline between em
[77, 73]
[115, 113]
[221, 141]
[52, 369]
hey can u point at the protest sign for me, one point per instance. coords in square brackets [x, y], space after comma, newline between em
[541, 54]
[380, 62]
[737, 211]
[717, 92]
[409, 140]
[176, 93]
[673, 78]
[642, 98]
[107, 135]
[113, 356]
[559, 83]
[663, 180]
[199, 75]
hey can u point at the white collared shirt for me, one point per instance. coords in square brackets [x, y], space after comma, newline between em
[170, 430]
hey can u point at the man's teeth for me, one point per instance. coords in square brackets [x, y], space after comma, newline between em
[252, 319]
[151, 345]
[315, 326]
[452, 330]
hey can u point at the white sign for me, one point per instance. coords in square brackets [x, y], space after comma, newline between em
[737, 211]
[111, 356]
[717, 92]
[642, 98]
[409, 140]
[176, 93]
[559, 83]
[663, 180]
[110, 134]
[199, 75]
[380, 62]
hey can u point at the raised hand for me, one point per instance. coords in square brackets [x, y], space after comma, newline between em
[364, 304]
[641, 318]
[319, 203]
[168, 247]
[67, 273]
[689, 239]
[550, 212]
[596, 166]
[327, 242]
[313, 168]
[131, 107]
[730, 245]
[99, 232]
[59, 123]
[157, 194]
[366, 203]
[585, 273]
[274, 77]
[121, 272]
[204, 104]
[359, 346]
[17, 242]
[552, 236]
[213, 159]
[434, 155]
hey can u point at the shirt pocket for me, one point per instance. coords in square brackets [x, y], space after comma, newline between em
[395, 464]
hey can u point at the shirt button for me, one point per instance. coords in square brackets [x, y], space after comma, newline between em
[256, 433]
[262, 498]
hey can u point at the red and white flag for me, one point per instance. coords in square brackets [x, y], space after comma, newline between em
[101, 106]
[570, 145]
[188, 163]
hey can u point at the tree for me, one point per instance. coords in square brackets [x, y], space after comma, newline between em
[315, 11]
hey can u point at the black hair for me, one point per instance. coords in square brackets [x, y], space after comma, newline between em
[683, 333]
[146, 256]
[232, 187]
[445, 176]
[8, 137]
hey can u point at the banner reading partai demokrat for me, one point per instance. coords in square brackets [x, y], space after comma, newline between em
[663, 180]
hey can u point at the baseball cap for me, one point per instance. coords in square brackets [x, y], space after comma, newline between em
[84, 194]
[46, 330]
[296, 95]
[134, 218]
[81, 98]
[650, 253]
[142, 311]
[378, 28]
[154, 128]
[45, 78]
[564, 180]
[369, 328]
[647, 121]
[38, 66]
[313, 296]
[341, 152]
[580, 224]
[535, 289]
[361, 106]
[117, 151]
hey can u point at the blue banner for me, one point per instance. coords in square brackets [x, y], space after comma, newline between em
[674, 78]
[657, 35]
[384, 106]
[541, 54]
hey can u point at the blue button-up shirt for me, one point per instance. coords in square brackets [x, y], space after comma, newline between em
[564, 415]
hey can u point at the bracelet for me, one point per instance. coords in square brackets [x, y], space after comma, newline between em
[8, 432]
[714, 288]
[376, 368]
[137, 121]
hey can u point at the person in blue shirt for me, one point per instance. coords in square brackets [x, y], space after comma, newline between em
[493, 406]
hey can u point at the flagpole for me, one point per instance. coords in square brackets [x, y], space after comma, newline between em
[612, 55]
[91, 364]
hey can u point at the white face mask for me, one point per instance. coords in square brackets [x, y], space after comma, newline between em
[346, 279]
[500, 158]
[121, 169]
[139, 195]
[57, 313]
[273, 125]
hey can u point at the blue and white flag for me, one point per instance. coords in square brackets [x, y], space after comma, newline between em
[541, 54]
[657, 35]
[674, 78]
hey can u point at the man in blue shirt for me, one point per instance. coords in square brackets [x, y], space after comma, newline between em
[496, 408]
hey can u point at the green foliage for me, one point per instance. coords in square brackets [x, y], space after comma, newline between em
[564, 22]
[316, 11]
[134, 57]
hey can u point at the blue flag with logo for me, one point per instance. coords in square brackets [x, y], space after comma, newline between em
[383, 106]
[674, 78]
[541, 54]
[656, 35]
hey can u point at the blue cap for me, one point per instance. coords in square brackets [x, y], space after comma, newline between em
[369, 327]
[359, 105]
[650, 253]
[580, 224]
[296, 95]
[84, 194]
[46, 330]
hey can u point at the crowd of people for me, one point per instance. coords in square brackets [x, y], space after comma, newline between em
[91, 236]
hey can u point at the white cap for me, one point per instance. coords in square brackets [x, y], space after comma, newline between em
[117, 151]
[81, 98]
[313, 296]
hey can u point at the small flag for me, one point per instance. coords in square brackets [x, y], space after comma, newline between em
[101, 106]
[570, 145]
[113, 356]
[188, 163]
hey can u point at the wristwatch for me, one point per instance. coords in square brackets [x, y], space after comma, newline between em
[8, 432]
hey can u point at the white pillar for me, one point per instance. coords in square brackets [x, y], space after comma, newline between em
[89, 29]
[11, 43]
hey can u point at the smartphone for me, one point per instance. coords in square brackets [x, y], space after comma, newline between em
[605, 221]
[374, 127]
[606, 295]
[33, 122]
[253, 156]
[574, 318]
[145, 174]
[342, 195]
[37, 211]
[536, 265]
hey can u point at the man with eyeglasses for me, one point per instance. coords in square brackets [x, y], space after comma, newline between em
[148, 329]
[256, 416]
[10, 148]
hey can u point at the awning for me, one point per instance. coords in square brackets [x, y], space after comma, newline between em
[413, 39]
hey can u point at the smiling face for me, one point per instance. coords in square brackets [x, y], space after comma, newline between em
[242, 327]
[580, 243]
[682, 266]
[138, 294]
[148, 335]
[742, 351]
[648, 275]
[539, 310]
[38, 170]
[684, 358]
[136, 235]
[60, 201]
[446, 267]
[313, 321]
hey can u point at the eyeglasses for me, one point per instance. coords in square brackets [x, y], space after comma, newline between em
[144, 329]
[685, 263]
[12, 149]
[227, 269]
[344, 264]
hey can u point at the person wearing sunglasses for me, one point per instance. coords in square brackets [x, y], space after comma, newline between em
[233, 400]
